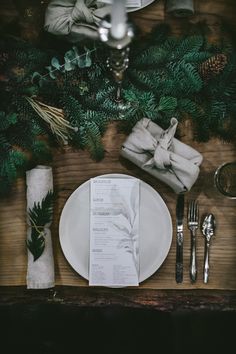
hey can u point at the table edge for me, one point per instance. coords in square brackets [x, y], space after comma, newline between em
[161, 300]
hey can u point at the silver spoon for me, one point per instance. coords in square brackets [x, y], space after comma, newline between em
[208, 228]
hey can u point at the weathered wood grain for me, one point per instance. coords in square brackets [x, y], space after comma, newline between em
[71, 168]
[161, 300]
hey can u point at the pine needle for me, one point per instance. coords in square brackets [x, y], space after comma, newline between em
[39, 216]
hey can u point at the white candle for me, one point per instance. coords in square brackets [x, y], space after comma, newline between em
[118, 19]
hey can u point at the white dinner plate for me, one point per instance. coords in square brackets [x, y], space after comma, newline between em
[100, 13]
[155, 229]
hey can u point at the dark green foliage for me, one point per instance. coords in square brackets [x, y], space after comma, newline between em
[91, 139]
[41, 213]
[12, 164]
[169, 70]
[39, 216]
[36, 244]
[20, 126]
[163, 80]
[6, 120]
[40, 151]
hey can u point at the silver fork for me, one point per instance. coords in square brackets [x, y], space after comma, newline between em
[193, 216]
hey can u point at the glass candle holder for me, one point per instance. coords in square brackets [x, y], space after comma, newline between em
[225, 179]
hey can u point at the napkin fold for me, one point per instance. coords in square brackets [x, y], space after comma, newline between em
[74, 18]
[157, 151]
[40, 273]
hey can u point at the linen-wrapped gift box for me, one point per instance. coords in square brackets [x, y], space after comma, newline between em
[157, 152]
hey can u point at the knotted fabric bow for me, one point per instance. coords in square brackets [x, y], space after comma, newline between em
[74, 18]
[157, 151]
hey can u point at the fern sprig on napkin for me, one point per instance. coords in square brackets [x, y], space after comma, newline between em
[39, 216]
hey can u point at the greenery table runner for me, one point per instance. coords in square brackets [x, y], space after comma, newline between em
[68, 95]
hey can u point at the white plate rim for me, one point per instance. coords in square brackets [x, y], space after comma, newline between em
[128, 9]
[141, 7]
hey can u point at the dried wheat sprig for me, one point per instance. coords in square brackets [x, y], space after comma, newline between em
[54, 117]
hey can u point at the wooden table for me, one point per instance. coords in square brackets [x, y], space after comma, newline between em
[71, 168]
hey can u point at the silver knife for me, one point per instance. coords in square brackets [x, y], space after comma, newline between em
[179, 238]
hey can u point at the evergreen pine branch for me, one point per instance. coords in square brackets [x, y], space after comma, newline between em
[41, 212]
[91, 138]
[12, 164]
[95, 72]
[111, 108]
[6, 120]
[73, 109]
[196, 57]
[36, 244]
[192, 77]
[140, 80]
[141, 104]
[39, 216]
[41, 152]
[217, 112]
[186, 78]
[157, 36]
[5, 147]
[170, 45]
[167, 103]
[188, 45]
[162, 80]
[151, 58]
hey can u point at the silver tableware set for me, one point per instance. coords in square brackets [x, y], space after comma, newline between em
[207, 229]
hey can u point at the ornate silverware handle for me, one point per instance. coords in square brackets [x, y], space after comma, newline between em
[206, 262]
[179, 258]
[193, 264]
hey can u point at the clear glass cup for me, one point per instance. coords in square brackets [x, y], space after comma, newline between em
[225, 179]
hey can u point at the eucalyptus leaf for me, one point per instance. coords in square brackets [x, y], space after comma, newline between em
[36, 76]
[68, 66]
[51, 72]
[55, 63]
[88, 59]
[41, 82]
[70, 60]
[84, 60]
[75, 51]
[70, 54]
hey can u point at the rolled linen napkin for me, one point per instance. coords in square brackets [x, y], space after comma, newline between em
[40, 273]
[74, 18]
[157, 151]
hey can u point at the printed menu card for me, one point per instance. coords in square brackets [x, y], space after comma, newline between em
[114, 232]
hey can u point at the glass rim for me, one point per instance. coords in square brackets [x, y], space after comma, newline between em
[216, 180]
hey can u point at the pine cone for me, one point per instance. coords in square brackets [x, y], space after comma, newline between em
[212, 66]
